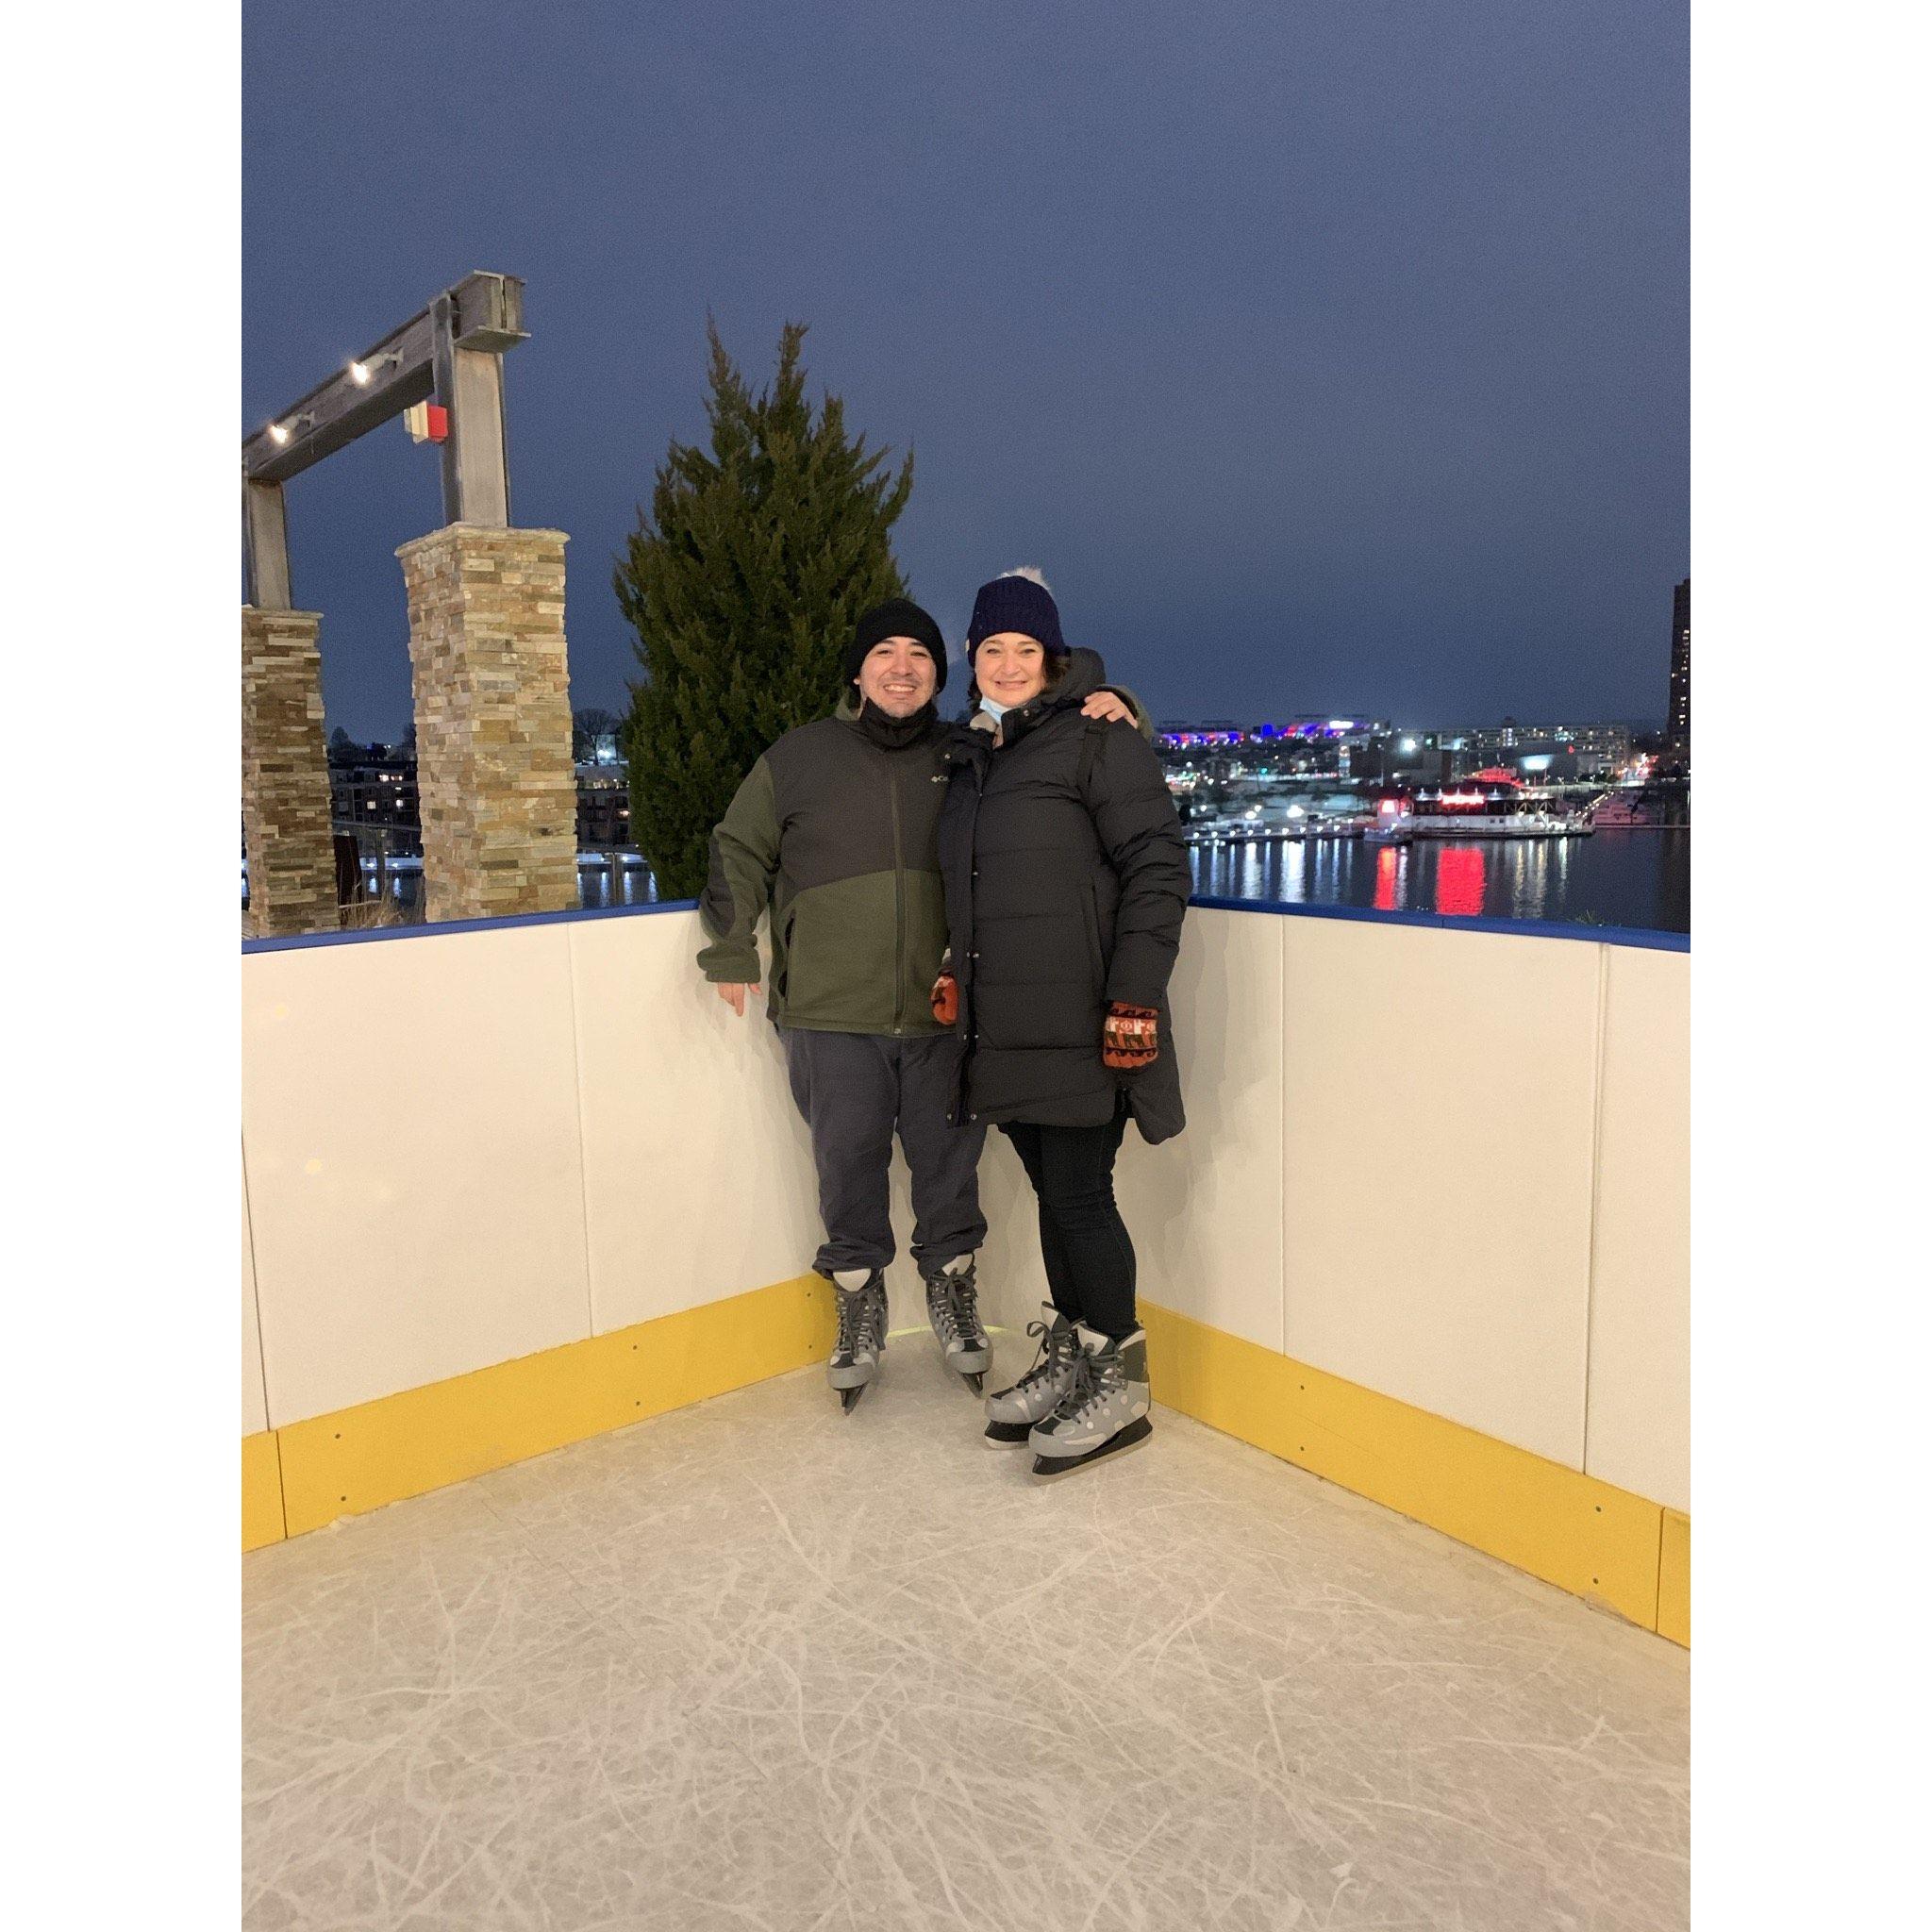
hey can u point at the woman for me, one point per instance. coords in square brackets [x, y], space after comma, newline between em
[1066, 883]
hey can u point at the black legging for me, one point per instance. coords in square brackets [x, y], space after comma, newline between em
[1090, 1260]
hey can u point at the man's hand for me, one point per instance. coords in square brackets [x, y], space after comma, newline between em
[733, 991]
[1110, 706]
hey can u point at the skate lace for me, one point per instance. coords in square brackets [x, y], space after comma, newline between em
[857, 1322]
[1054, 1352]
[938, 1302]
[1094, 1379]
[966, 1308]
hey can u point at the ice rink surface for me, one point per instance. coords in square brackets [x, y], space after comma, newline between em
[759, 1665]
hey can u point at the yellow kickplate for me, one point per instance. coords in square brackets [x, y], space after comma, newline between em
[421, 1438]
[261, 1491]
[1674, 1579]
[1568, 1528]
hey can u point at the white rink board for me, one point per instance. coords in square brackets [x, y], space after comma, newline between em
[1439, 1108]
[1205, 1208]
[415, 1179]
[254, 1389]
[697, 1170]
[1640, 1330]
[1450, 1166]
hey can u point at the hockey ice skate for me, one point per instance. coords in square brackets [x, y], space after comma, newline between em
[862, 1341]
[1103, 1411]
[1010, 1413]
[952, 1305]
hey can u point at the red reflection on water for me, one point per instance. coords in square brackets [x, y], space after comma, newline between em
[1385, 879]
[1460, 876]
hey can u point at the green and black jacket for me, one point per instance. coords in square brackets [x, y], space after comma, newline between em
[836, 830]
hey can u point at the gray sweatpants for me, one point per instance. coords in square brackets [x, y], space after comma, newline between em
[853, 1090]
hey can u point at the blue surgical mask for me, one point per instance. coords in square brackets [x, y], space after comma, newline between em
[995, 711]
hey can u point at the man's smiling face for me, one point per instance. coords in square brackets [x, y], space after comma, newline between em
[898, 675]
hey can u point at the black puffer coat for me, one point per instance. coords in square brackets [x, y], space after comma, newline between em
[1066, 884]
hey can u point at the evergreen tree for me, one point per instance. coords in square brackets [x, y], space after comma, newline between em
[743, 584]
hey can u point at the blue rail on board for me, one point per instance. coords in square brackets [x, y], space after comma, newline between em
[296, 941]
[1449, 922]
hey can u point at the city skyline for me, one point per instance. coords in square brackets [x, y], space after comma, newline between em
[1339, 361]
[1677, 725]
[1642, 724]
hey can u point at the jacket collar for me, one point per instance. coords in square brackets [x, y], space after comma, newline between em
[889, 734]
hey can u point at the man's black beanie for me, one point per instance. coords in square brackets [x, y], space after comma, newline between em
[897, 617]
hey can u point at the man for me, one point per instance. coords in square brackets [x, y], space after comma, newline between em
[836, 829]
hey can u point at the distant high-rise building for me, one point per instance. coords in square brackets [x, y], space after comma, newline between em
[1678, 728]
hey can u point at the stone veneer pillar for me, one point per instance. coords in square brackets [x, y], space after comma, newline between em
[285, 797]
[492, 680]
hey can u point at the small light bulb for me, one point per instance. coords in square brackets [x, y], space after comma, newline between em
[277, 432]
[359, 374]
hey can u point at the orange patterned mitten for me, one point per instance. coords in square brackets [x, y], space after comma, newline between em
[1132, 1035]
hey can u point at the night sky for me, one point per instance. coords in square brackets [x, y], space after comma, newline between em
[1326, 357]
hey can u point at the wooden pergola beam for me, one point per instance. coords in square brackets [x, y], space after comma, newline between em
[265, 547]
[453, 350]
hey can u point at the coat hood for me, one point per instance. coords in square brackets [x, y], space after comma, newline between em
[1085, 674]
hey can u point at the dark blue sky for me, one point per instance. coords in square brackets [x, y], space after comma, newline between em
[1326, 357]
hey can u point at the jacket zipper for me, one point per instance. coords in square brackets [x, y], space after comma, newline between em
[898, 911]
[962, 974]
[969, 984]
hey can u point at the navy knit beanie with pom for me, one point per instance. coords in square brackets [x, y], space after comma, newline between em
[1016, 602]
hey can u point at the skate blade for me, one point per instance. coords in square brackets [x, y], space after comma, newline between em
[1048, 1469]
[848, 1398]
[966, 1361]
[977, 1377]
[1014, 1437]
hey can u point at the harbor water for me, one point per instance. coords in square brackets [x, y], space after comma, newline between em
[1639, 878]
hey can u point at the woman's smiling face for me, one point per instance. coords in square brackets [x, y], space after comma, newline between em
[1011, 668]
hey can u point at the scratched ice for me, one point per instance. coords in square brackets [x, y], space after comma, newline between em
[759, 1665]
